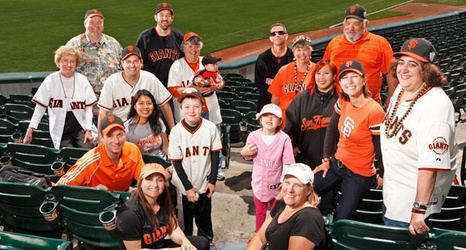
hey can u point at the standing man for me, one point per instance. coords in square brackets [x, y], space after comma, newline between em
[120, 87]
[101, 53]
[270, 61]
[160, 45]
[373, 51]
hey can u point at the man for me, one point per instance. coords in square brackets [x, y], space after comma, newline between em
[160, 45]
[112, 165]
[101, 53]
[119, 88]
[373, 51]
[270, 61]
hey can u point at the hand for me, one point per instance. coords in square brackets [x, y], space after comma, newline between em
[88, 137]
[192, 195]
[186, 245]
[28, 136]
[169, 171]
[417, 225]
[210, 190]
[325, 166]
[296, 151]
[249, 151]
[208, 90]
[378, 182]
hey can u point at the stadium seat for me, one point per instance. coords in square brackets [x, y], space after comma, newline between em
[19, 208]
[17, 112]
[253, 123]
[242, 90]
[233, 75]
[81, 208]
[227, 96]
[370, 208]
[11, 240]
[450, 240]
[243, 106]
[453, 212]
[349, 234]
[251, 97]
[233, 118]
[148, 158]
[7, 129]
[70, 155]
[42, 137]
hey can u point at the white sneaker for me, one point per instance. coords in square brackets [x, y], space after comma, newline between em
[220, 176]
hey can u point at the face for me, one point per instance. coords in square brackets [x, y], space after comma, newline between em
[409, 73]
[294, 191]
[68, 65]
[351, 83]
[278, 39]
[353, 29]
[302, 54]
[153, 186]
[132, 65]
[94, 25]
[144, 107]
[114, 141]
[212, 67]
[192, 52]
[324, 79]
[270, 122]
[164, 19]
[191, 109]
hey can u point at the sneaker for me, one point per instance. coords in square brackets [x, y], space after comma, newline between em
[212, 245]
[220, 176]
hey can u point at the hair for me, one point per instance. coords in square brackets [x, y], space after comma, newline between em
[164, 202]
[193, 40]
[313, 198]
[302, 42]
[319, 65]
[154, 121]
[365, 90]
[432, 75]
[278, 128]
[67, 49]
[278, 25]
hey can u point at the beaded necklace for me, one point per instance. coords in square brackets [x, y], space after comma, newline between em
[63, 88]
[392, 128]
[301, 87]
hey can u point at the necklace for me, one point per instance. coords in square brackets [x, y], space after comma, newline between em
[392, 127]
[63, 88]
[300, 86]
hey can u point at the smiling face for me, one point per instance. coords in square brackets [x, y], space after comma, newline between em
[153, 186]
[324, 79]
[114, 141]
[164, 19]
[353, 29]
[279, 36]
[144, 107]
[302, 54]
[352, 83]
[294, 191]
[132, 66]
[192, 51]
[68, 64]
[94, 26]
[191, 108]
[409, 73]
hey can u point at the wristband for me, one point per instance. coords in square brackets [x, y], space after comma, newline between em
[326, 160]
[419, 205]
[418, 211]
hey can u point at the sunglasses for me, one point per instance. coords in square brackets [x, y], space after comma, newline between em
[277, 33]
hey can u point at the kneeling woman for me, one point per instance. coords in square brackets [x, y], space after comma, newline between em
[148, 216]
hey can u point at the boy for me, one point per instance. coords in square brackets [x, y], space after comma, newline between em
[209, 75]
[194, 149]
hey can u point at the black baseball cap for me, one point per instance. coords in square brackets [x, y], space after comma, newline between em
[356, 11]
[209, 59]
[190, 92]
[164, 6]
[92, 13]
[110, 122]
[130, 50]
[418, 48]
[352, 65]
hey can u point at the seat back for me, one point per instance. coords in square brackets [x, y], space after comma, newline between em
[349, 234]
[30, 242]
[453, 212]
[370, 207]
[450, 240]
[70, 155]
[19, 206]
[148, 158]
[7, 129]
[17, 112]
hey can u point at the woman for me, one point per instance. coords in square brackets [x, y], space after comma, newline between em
[148, 217]
[308, 117]
[144, 126]
[355, 125]
[293, 78]
[418, 140]
[68, 98]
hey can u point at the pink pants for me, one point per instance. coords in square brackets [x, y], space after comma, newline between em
[261, 211]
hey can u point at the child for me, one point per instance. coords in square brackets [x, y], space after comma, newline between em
[194, 150]
[209, 75]
[270, 148]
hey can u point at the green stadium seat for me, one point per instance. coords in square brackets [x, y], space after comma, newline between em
[227, 96]
[370, 208]
[453, 214]
[243, 106]
[70, 155]
[11, 240]
[7, 129]
[450, 240]
[253, 123]
[148, 158]
[232, 118]
[18, 112]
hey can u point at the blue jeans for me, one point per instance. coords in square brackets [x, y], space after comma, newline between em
[353, 187]
[393, 223]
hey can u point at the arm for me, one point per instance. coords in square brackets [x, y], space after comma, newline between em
[300, 242]
[392, 82]
[165, 143]
[275, 100]
[87, 130]
[425, 186]
[331, 138]
[210, 188]
[249, 151]
[167, 113]
[378, 156]
[258, 241]
[39, 111]
[102, 114]
[179, 238]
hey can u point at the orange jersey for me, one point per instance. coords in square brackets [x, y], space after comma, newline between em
[284, 87]
[95, 168]
[373, 51]
[357, 126]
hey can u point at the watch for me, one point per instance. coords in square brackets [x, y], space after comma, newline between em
[419, 205]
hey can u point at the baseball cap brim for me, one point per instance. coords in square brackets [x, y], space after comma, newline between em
[354, 16]
[350, 69]
[110, 127]
[410, 54]
[131, 53]
[95, 14]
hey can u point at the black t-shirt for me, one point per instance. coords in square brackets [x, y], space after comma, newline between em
[307, 222]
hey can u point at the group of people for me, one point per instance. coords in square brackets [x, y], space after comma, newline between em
[323, 127]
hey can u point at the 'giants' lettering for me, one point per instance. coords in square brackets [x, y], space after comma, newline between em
[195, 151]
[166, 53]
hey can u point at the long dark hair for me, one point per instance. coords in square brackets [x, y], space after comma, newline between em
[153, 120]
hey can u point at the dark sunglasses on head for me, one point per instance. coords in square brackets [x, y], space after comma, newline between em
[276, 33]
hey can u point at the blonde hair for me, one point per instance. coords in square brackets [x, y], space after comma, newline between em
[67, 49]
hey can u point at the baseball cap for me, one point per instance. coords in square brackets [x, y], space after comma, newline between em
[152, 168]
[130, 50]
[92, 13]
[190, 35]
[299, 170]
[302, 40]
[270, 109]
[190, 92]
[209, 59]
[352, 65]
[110, 122]
[418, 48]
[356, 11]
[164, 6]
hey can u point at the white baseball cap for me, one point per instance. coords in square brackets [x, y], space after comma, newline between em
[299, 170]
[270, 109]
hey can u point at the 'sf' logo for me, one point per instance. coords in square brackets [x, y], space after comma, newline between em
[412, 44]
[111, 118]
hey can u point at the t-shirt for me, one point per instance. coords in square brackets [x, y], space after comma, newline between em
[144, 138]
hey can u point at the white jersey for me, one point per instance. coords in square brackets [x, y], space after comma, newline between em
[180, 75]
[194, 149]
[426, 141]
[117, 93]
[51, 95]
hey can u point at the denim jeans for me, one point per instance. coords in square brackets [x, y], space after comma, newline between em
[353, 187]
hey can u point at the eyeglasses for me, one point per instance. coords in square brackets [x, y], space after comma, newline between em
[277, 33]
